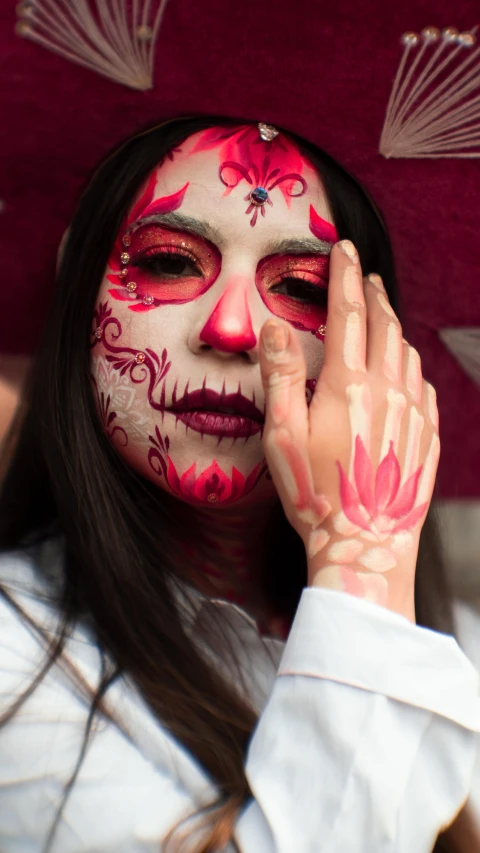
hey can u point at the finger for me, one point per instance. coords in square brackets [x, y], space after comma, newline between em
[345, 337]
[412, 373]
[283, 372]
[384, 333]
[429, 404]
[432, 449]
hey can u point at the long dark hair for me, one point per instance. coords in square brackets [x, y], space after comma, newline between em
[62, 478]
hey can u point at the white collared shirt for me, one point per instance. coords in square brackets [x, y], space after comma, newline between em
[366, 740]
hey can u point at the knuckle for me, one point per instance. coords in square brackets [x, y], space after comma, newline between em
[343, 309]
[430, 389]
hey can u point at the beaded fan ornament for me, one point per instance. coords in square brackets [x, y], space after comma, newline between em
[434, 106]
[101, 35]
[434, 112]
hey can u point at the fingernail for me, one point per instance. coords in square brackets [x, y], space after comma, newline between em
[376, 280]
[349, 250]
[275, 337]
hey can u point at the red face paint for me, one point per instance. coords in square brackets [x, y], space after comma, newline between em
[212, 485]
[322, 229]
[166, 266]
[162, 205]
[145, 206]
[295, 288]
[229, 327]
[245, 156]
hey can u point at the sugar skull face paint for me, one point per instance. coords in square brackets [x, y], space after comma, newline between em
[190, 282]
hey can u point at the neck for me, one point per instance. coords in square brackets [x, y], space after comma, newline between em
[225, 552]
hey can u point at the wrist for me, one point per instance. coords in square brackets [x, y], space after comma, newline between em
[394, 589]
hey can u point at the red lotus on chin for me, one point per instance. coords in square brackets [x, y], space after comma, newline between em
[212, 485]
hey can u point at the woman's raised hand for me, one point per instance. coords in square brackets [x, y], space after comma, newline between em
[355, 471]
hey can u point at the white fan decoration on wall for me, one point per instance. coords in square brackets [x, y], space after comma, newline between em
[434, 106]
[464, 345]
[106, 36]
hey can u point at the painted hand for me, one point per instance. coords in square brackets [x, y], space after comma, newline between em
[355, 471]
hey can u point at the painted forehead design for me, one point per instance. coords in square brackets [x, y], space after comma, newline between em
[259, 156]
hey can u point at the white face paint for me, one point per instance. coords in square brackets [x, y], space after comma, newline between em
[197, 316]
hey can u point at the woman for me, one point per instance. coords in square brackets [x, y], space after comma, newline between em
[143, 531]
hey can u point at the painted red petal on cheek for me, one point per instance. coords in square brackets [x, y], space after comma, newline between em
[166, 204]
[145, 199]
[140, 308]
[121, 295]
[322, 229]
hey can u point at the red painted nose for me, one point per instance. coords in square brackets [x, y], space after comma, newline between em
[229, 327]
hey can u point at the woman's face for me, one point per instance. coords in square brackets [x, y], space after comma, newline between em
[227, 231]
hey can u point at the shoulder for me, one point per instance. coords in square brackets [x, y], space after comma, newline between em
[114, 802]
[23, 588]
[30, 620]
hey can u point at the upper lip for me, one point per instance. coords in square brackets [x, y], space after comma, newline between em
[214, 401]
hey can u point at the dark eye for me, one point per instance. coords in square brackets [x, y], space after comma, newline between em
[303, 291]
[165, 265]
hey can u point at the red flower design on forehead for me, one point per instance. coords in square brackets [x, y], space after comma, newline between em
[244, 155]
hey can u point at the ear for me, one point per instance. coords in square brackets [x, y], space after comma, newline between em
[61, 248]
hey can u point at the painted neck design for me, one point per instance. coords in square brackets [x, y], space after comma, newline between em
[224, 556]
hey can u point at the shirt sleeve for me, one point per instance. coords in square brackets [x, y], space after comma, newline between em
[368, 740]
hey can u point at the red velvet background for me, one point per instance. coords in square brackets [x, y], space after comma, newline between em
[324, 70]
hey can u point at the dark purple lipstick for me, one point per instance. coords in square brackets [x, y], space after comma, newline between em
[219, 414]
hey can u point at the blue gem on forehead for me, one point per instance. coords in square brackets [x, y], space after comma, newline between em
[259, 195]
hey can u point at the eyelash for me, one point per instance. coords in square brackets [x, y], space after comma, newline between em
[147, 259]
[318, 293]
[314, 292]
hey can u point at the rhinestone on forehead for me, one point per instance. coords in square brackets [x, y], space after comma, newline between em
[267, 131]
[258, 196]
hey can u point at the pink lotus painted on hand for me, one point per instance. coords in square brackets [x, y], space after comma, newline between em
[378, 505]
[212, 485]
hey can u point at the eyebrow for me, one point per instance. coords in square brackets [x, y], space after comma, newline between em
[288, 246]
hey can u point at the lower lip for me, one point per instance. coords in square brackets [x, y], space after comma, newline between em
[213, 423]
